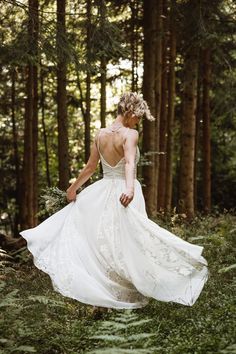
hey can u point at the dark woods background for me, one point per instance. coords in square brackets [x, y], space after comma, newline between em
[63, 66]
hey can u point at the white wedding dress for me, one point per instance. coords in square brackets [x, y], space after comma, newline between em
[101, 253]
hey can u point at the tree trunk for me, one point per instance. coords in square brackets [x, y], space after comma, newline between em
[88, 85]
[44, 126]
[197, 134]
[171, 111]
[103, 92]
[15, 149]
[188, 126]
[35, 145]
[163, 117]
[27, 178]
[158, 92]
[63, 144]
[103, 77]
[30, 173]
[149, 130]
[206, 131]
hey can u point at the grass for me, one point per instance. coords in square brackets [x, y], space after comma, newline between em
[36, 319]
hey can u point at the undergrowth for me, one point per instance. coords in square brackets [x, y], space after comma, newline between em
[37, 319]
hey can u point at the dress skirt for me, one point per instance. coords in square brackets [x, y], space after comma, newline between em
[101, 253]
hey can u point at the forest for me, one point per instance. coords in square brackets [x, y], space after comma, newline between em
[63, 66]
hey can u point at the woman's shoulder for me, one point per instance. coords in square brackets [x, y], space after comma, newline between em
[133, 132]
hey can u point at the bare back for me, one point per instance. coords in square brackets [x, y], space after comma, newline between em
[110, 144]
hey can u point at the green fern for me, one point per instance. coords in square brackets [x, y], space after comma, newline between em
[123, 333]
[231, 349]
[227, 269]
[45, 301]
[5, 259]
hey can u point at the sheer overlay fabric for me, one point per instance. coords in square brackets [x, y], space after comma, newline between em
[100, 253]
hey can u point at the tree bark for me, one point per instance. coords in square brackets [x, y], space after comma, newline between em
[15, 149]
[103, 92]
[44, 126]
[188, 126]
[63, 144]
[30, 172]
[163, 116]
[206, 130]
[198, 133]
[35, 145]
[158, 92]
[149, 129]
[103, 66]
[171, 112]
[88, 86]
[103, 75]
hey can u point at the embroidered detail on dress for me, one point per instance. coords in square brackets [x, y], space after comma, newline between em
[110, 253]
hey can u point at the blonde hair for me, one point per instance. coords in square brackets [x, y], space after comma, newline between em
[131, 102]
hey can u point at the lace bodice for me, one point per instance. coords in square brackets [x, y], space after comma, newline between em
[117, 171]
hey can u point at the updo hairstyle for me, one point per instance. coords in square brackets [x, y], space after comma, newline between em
[132, 103]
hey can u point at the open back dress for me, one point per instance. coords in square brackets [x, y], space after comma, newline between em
[101, 253]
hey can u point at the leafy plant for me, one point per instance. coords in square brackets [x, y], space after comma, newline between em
[124, 332]
[52, 201]
[35, 317]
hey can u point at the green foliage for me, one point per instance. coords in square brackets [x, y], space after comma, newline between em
[117, 334]
[35, 318]
[52, 201]
[108, 41]
[5, 258]
[227, 269]
[112, 37]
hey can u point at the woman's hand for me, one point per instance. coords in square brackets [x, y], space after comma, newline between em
[70, 194]
[126, 197]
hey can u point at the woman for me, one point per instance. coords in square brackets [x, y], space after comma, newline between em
[102, 249]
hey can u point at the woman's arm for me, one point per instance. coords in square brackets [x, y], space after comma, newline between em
[130, 149]
[85, 173]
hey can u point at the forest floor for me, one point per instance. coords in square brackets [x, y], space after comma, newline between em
[37, 319]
